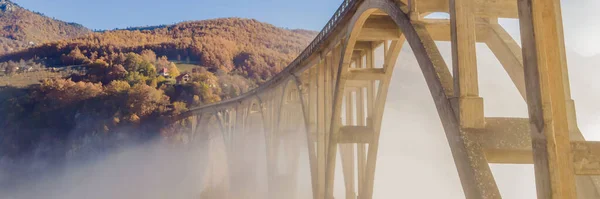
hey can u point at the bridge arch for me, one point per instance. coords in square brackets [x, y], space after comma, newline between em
[216, 173]
[334, 80]
[287, 140]
[340, 97]
[476, 179]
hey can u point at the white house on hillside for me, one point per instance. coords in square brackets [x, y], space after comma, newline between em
[163, 72]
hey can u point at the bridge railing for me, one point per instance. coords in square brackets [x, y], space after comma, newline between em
[294, 66]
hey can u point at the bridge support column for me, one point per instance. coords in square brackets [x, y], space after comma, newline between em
[347, 150]
[321, 133]
[476, 176]
[271, 142]
[543, 53]
[509, 53]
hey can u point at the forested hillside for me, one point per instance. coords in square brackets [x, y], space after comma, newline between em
[251, 48]
[125, 81]
[22, 28]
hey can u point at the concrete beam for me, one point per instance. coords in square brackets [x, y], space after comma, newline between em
[366, 74]
[363, 45]
[586, 157]
[356, 134]
[484, 8]
[378, 28]
[508, 141]
[439, 29]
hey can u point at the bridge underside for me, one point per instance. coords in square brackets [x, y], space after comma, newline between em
[330, 101]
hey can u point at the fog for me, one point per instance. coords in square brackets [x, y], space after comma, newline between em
[151, 170]
[414, 157]
[164, 168]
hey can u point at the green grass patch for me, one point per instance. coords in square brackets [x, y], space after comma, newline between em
[25, 79]
[183, 67]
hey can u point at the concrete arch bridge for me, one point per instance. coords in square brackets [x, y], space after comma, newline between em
[329, 103]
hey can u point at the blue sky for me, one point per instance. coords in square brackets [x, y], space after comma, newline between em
[109, 14]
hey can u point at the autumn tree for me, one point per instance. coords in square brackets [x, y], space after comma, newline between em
[97, 70]
[173, 70]
[205, 85]
[63, 92]
[144, 100]
[233, 85]
[100, 71]
[11, 68]
[117, 86]
[115, 72]
[163, 62]
[75, 57]
[133, 62]
[148, 55]
[137, 63]
[178, 108]
[136, 78]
